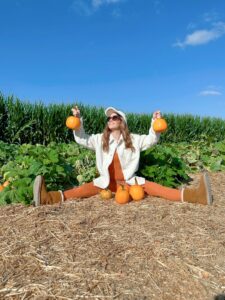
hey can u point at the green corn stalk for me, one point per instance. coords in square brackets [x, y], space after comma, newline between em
[42, 124]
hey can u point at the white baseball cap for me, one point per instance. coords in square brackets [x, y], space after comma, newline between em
[111, 110]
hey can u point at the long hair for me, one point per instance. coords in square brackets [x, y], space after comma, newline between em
[125, 133]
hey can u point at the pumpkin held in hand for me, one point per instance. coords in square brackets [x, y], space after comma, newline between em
[136, 191]
[73, 122]
[106, 194]
[159, 125]
[122, 196]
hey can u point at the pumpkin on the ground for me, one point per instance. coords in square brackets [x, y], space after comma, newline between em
[6, 183]
[106, 194]
[123, 187]
[122, 196]
[136, 191]
[160, 125]
[73, 122]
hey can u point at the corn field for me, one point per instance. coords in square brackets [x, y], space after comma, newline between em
[37, 123]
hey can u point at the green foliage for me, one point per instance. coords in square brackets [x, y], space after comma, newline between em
[7, 152]
[36, 123]
[61, 165]
[202, 155]
[67, 165]
[170, 164]
[162, 165]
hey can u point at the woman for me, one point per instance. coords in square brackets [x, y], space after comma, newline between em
[117, 159]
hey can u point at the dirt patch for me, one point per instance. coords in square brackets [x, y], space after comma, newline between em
[95, 249]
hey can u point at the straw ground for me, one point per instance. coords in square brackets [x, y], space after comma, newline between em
[95, 249]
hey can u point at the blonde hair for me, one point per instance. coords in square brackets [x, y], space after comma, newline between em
[125, 133]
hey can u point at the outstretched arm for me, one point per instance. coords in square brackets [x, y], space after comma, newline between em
[80, 136]
[152, 138]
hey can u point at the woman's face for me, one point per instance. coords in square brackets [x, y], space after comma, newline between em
[114, 121]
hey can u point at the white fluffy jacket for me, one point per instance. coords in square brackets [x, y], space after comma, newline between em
[129, 160]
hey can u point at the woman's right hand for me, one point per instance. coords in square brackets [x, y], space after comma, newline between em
[157, 115]
[76, 111]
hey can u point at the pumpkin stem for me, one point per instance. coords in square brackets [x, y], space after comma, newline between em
[122, 185]
[136, 182]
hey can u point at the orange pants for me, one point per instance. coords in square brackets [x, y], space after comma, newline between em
[116, 177]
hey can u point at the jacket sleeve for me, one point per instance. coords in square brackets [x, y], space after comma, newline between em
[82, 138]
[148, 140]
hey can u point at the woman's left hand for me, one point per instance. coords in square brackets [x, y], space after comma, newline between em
[157, 115]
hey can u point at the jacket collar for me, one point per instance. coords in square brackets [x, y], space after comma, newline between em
[112, 140]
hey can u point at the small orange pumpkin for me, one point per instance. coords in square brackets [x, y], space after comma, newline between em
[160, 125]
[73, 122]
[123, 187]
[122, 196]
[136, 191]
[1, 187]
[6, 183]
[106, 194]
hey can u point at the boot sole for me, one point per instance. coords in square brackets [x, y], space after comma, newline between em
[36, 191]
[208, 188]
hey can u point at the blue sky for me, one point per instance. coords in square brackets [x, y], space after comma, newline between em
[137, 55]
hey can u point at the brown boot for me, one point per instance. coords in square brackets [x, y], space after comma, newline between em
[201, 194]
[41, 196]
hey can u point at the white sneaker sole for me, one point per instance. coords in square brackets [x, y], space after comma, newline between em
[37, 191]
[208, 188]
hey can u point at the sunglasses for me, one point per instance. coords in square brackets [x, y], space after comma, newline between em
[113, 118]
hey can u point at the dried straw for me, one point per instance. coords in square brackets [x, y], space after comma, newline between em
[95, 249]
